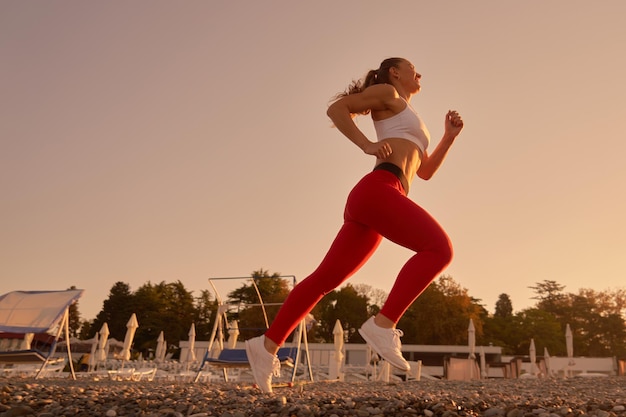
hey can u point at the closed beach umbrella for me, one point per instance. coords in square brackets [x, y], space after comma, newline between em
[471, 339]
[233, 334]
[546, 359]
[107, 346]
[471, 343]
[131, 328]
[161, 348]
[338, 337]
[533, 356]
[191, 356]
[334, 371]
[483, 363]
[92, 354]
[569, 342]
[104, 336]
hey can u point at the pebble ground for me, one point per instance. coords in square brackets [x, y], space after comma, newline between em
[599, 397]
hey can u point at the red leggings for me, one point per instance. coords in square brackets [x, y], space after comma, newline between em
[377, 207]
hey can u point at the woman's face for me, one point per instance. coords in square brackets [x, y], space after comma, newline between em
[409, 78]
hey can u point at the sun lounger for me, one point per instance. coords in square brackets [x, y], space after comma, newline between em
[144, 374]
[23, 356]
[238, 357]
[121, 374]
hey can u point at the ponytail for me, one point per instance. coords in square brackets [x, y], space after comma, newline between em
[377, 76]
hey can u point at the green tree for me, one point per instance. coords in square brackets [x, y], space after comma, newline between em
[116, 310]
[537, 324]
[441, 314]
[206, 307]
[551, 297]
[85, 330]
[504, 306]
[499, 329]
[167, 307]
[597, 330]
[376, 297]
[75, 322]
[324, 312]
[351, 308]
[273, 290]
[614, 330]
[595, 318]
[150, 299]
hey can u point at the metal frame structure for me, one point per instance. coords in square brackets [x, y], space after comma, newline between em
[23, 312]
[221, 326]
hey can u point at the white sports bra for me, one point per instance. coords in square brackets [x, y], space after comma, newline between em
[405, 125]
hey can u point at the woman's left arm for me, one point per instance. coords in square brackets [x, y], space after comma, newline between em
[431, 162]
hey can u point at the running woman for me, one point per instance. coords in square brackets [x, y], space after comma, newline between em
[376, 207]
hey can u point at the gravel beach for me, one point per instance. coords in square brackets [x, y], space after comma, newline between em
[601, 397]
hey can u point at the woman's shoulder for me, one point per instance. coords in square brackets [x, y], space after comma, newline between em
[387, 95]
[386, 91]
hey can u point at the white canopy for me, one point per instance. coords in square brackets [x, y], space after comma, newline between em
[34, 311]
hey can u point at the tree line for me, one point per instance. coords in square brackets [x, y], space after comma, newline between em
[440, 316]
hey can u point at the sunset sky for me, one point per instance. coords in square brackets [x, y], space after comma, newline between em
[162, 141]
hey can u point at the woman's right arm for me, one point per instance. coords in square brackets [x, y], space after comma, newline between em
[341, 113]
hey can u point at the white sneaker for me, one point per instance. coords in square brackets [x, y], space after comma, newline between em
[385, 342]
[264, 365]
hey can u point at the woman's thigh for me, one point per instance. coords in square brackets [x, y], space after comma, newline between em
[381, 206]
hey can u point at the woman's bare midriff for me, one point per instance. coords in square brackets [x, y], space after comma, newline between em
[405, 154]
